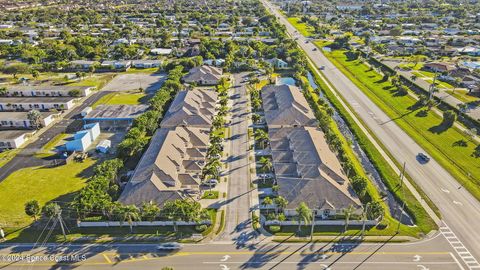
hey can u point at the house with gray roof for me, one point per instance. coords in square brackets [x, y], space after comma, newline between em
[173, 162]
[308, 171]
[193, 108]
[204, 75]
[285, 105]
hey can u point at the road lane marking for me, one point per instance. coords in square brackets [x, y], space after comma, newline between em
[459, 248]
[107, 259]
[334, 262]
[445, 190]
[457, 203]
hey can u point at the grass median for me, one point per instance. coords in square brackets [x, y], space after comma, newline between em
[447, 145]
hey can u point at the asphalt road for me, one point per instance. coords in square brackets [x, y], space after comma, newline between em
[256, 254]
[460, 210]
[237, 225]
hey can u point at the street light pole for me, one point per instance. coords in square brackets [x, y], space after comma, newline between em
[313, 225]
[364, 217]
[403, 202]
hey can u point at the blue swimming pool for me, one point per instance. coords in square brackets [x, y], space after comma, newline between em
[286, 80]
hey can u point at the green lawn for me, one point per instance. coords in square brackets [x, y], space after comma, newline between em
[96, 80]
[121, 98]
[426, 130]
[463, 95]
[303, 28]
[7, 155]
[141, 70]
[210, 194]
[48, 149]
[42, 184]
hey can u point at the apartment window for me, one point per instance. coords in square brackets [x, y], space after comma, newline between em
[36, 106]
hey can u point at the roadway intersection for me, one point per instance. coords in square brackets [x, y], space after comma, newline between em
[255, 254]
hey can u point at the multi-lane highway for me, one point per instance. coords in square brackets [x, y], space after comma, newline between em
[460, 210]
[256, 254]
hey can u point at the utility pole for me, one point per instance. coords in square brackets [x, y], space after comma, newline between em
[432, 87]
[364, 217]
[403, 201]
[59, 216]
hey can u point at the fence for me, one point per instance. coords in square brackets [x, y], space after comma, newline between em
[323, 222]
[85, 224]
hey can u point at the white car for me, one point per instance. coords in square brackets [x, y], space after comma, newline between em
[211, 182]
[170, 246]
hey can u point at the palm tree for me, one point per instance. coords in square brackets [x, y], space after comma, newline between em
[281, 203]
[32, 209]
[150, 211]
[267, 201]
[256, 118]
[266, 164]
[34, 117]
[256, 103]
[348, 212]
[130, 214]
[303, 214]
[262, 137]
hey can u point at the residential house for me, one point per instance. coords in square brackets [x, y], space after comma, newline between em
[117, 65]
[439, 67]
[192, 108]
[21, 120]
[285, 105]
[48, 91]
[84, 65]
[307, 171]
[146, 63]
[204, 75]
[12, 139]
[277, 63]
[38, 103]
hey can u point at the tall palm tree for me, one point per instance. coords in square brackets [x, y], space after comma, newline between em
[256, 103]
[281, 203]
[256, 118]
[267, 201]
[130, 214]
[262, 137]
[303, 214]
[266, 164]
[348, 212]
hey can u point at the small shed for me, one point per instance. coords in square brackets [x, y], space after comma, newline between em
[104, 146]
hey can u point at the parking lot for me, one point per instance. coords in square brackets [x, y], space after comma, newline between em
[127, 82]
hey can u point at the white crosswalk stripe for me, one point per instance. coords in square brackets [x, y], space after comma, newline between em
[459, 248]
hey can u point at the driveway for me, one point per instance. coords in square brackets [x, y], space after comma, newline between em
[238, 217]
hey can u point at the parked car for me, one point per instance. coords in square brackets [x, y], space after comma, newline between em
[423, 158]
[211, 182]
[322, 67]
[170, 246]
[314, 49]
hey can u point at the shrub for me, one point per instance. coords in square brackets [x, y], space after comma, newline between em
[274, 228]
[200, 228]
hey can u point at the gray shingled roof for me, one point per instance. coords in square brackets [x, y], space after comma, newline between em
[194, 108]
[285, 105]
